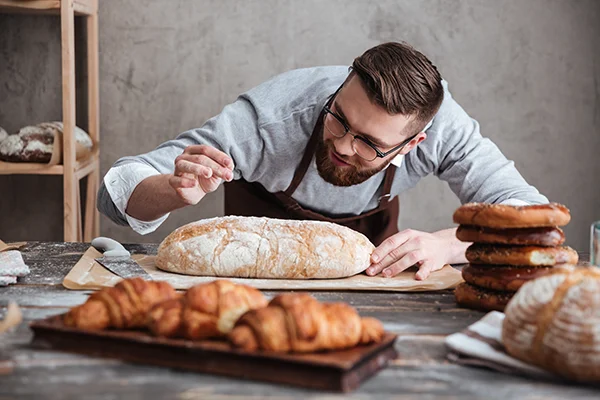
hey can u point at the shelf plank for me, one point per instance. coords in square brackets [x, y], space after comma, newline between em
[87, 165]
[86, 7]
[81, 7]
[83, 167]
[9, 168]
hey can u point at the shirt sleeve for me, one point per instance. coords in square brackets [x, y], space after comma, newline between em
[119, 183]
[473, 166]
[234, 131]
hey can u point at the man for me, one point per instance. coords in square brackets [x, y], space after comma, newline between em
[329, 144]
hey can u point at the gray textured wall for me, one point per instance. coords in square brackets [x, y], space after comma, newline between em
[529, 71]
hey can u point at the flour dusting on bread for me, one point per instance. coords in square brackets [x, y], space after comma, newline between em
[258, 247]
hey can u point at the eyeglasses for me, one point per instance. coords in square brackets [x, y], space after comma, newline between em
[361, 145]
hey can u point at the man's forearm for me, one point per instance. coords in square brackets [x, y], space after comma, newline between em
[456, 249]
[153, 198]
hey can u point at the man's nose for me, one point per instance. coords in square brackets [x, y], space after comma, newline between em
[343, 145]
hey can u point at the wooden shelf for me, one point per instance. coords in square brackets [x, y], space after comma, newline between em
[82, 167]
[8, 168]
[77, 225]
[81, 7]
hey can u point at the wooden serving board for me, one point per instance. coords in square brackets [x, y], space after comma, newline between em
[340, 371]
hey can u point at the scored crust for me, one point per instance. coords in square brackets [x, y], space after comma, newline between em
[520, 255]
[547, 236]
[258, 247]
[505, 216]
[470, 296]
[502, 277]
[553, 321]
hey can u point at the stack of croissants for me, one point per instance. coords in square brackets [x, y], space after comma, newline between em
[290, 322]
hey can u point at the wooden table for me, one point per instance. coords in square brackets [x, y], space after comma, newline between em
[421, 320]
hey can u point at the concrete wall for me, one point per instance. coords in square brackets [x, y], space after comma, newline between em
[529, 71]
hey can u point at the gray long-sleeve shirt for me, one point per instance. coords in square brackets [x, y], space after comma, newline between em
[265, 132]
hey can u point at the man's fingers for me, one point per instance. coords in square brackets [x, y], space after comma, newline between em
[202, 166]
[390, 244]
[424, 270]
[188, 167]
[213, 153]
[393, 256]
[182, 182]
[410, 259]
[413, 245]
[374, 269]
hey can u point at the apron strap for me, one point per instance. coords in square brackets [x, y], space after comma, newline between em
[387, 185]
[309, 152]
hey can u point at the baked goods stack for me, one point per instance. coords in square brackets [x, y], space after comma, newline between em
[511, 245]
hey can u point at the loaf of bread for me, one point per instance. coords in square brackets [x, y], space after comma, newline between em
[258, 247]
[554, 323]
[36, 143]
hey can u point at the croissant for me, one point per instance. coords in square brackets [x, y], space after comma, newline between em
[206, 310]
[123, 306]
[297, 322]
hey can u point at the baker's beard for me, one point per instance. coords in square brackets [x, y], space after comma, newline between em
[340, 176]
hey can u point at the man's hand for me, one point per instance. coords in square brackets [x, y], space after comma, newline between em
[199, 170]
[430, 251]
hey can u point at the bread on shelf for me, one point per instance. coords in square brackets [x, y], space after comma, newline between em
[42, 143]
[3, 134]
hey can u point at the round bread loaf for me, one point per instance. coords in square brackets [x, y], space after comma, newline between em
[554, 323]
[516, 236]
[502, 277]
[520, 255]
[36, 143]
[505, 216]
[477, 298]
[253, 247]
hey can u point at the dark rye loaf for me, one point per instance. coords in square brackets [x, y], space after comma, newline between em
[36, 143]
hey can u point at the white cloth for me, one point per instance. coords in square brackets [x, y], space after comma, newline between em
[481, 345]
[11, 267]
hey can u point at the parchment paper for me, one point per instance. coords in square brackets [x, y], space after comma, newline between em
[11, 246]
[87, 274]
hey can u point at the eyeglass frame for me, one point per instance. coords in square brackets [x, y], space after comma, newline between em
[378, 153]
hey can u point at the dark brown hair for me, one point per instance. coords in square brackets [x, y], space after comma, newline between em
[402, 81]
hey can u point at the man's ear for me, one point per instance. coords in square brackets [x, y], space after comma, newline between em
[414, 142]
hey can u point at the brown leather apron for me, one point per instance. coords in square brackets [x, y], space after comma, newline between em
[252, 199]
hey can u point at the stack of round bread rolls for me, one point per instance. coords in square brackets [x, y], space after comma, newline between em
[511, 245]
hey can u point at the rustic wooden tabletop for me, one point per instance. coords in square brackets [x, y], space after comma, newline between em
[421, 320]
